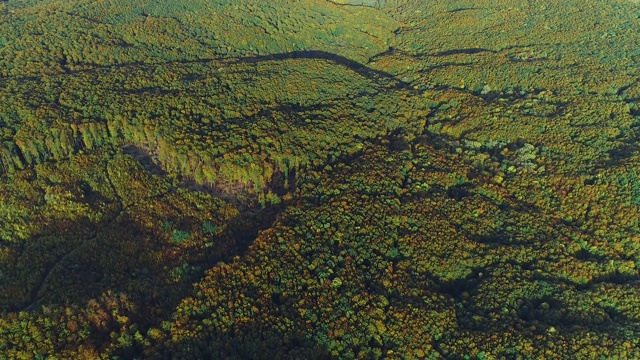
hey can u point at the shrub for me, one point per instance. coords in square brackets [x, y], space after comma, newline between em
[210, 228]
[179, 236]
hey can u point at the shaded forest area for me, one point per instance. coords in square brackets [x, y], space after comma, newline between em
[307, 180]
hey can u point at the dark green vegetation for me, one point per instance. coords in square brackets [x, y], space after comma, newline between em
[300, 179]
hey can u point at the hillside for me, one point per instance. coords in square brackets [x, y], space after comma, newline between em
[319, 179]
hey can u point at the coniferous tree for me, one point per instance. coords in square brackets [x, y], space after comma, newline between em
[66, 140]
[150, 134]
[209, 174]
[198, 175]
[87, 136]
[27, 149]
[96, 131]
[13, 150]
[42, 154]
[6, 161]
[114, 127]
[53, 144]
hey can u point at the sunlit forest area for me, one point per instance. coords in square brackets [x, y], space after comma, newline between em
[320, 179]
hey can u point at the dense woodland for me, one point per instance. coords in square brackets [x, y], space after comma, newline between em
[302, 180]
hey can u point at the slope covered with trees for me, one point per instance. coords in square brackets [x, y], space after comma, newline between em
[305, 179]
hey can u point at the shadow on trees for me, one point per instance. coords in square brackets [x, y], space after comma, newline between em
[353, 65]
[127, 256]
[256, 339]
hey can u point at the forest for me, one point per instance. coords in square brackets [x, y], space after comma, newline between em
[319, 179]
